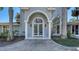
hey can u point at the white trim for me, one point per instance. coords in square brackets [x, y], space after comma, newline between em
[71, 29]
[60, 25]
[74, 29]
[49, 29]
[32, 29]
[26, 30]
[44, 13]
[53, 18]
[2, 28]
[36, 38]
[78, 29]
[26, 21]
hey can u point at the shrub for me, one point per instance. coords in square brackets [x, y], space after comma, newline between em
[68, 34]
[4, 34]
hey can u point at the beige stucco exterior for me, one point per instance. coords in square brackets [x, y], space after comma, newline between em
[50, 13]
[5, 27]
[52, 17]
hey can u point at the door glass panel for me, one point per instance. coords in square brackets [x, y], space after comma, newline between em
[72, 29]
[40, 29]
[58, 29]
[76, 29]
[38, 21]
[35, 29]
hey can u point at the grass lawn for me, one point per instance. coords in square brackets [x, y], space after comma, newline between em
[68, 42]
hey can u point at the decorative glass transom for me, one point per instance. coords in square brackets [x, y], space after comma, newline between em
[38, 20]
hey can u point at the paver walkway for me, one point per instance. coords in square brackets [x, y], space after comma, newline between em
[36, 45]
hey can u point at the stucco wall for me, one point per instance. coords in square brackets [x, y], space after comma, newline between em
[30, 23]
[24, 15]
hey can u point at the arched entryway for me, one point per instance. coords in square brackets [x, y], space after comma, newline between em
[37, 26]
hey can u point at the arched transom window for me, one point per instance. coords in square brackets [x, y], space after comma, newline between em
[38, 20]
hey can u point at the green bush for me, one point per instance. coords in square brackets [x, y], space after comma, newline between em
[68, 34]
[15, 32]
[4, 34]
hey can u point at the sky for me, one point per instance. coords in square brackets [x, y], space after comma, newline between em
[69, 13]
[4, 14]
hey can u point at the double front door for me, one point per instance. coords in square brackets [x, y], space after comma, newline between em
[38, 30]
[38, 27]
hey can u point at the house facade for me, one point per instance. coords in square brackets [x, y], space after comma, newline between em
[4, 27]
[73, 27]
[43, 22]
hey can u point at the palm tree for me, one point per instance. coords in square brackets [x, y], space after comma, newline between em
[10, 11]
[1, 8]
[75, 12]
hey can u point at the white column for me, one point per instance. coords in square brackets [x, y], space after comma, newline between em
[25, 30]
[49, 29]
[74, 30]
[78, 29]
[71, 29]
[60, 26]
[2, 28]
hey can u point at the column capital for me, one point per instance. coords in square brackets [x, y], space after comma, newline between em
[25, 20]
[49, 21]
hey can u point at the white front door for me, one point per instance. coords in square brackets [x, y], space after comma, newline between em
[38, 27]
[38, 30]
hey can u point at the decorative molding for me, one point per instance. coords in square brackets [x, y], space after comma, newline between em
[39, 12]
[37, 38]
[51, 8]
[25, 8]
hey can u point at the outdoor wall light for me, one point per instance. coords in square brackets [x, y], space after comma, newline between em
[30, 25]
[45, 25]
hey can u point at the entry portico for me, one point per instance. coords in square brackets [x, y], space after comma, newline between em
[41, 23]
[38, 24]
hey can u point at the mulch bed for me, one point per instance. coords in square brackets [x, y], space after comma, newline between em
[3, 42]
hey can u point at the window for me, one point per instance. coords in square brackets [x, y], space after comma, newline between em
[40, 29]
[76, 29]
[58, 29]
[73, 29]
[35, 29]
[38, 20]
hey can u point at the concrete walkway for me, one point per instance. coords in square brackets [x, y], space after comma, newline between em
[36, 45]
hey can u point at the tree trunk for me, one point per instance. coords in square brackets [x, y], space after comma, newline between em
[10, 11]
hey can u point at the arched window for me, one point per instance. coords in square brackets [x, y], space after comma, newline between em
[38, 20]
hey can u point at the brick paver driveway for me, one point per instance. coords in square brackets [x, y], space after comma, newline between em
[36, 45]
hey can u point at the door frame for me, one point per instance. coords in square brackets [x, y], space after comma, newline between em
[37, 25]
